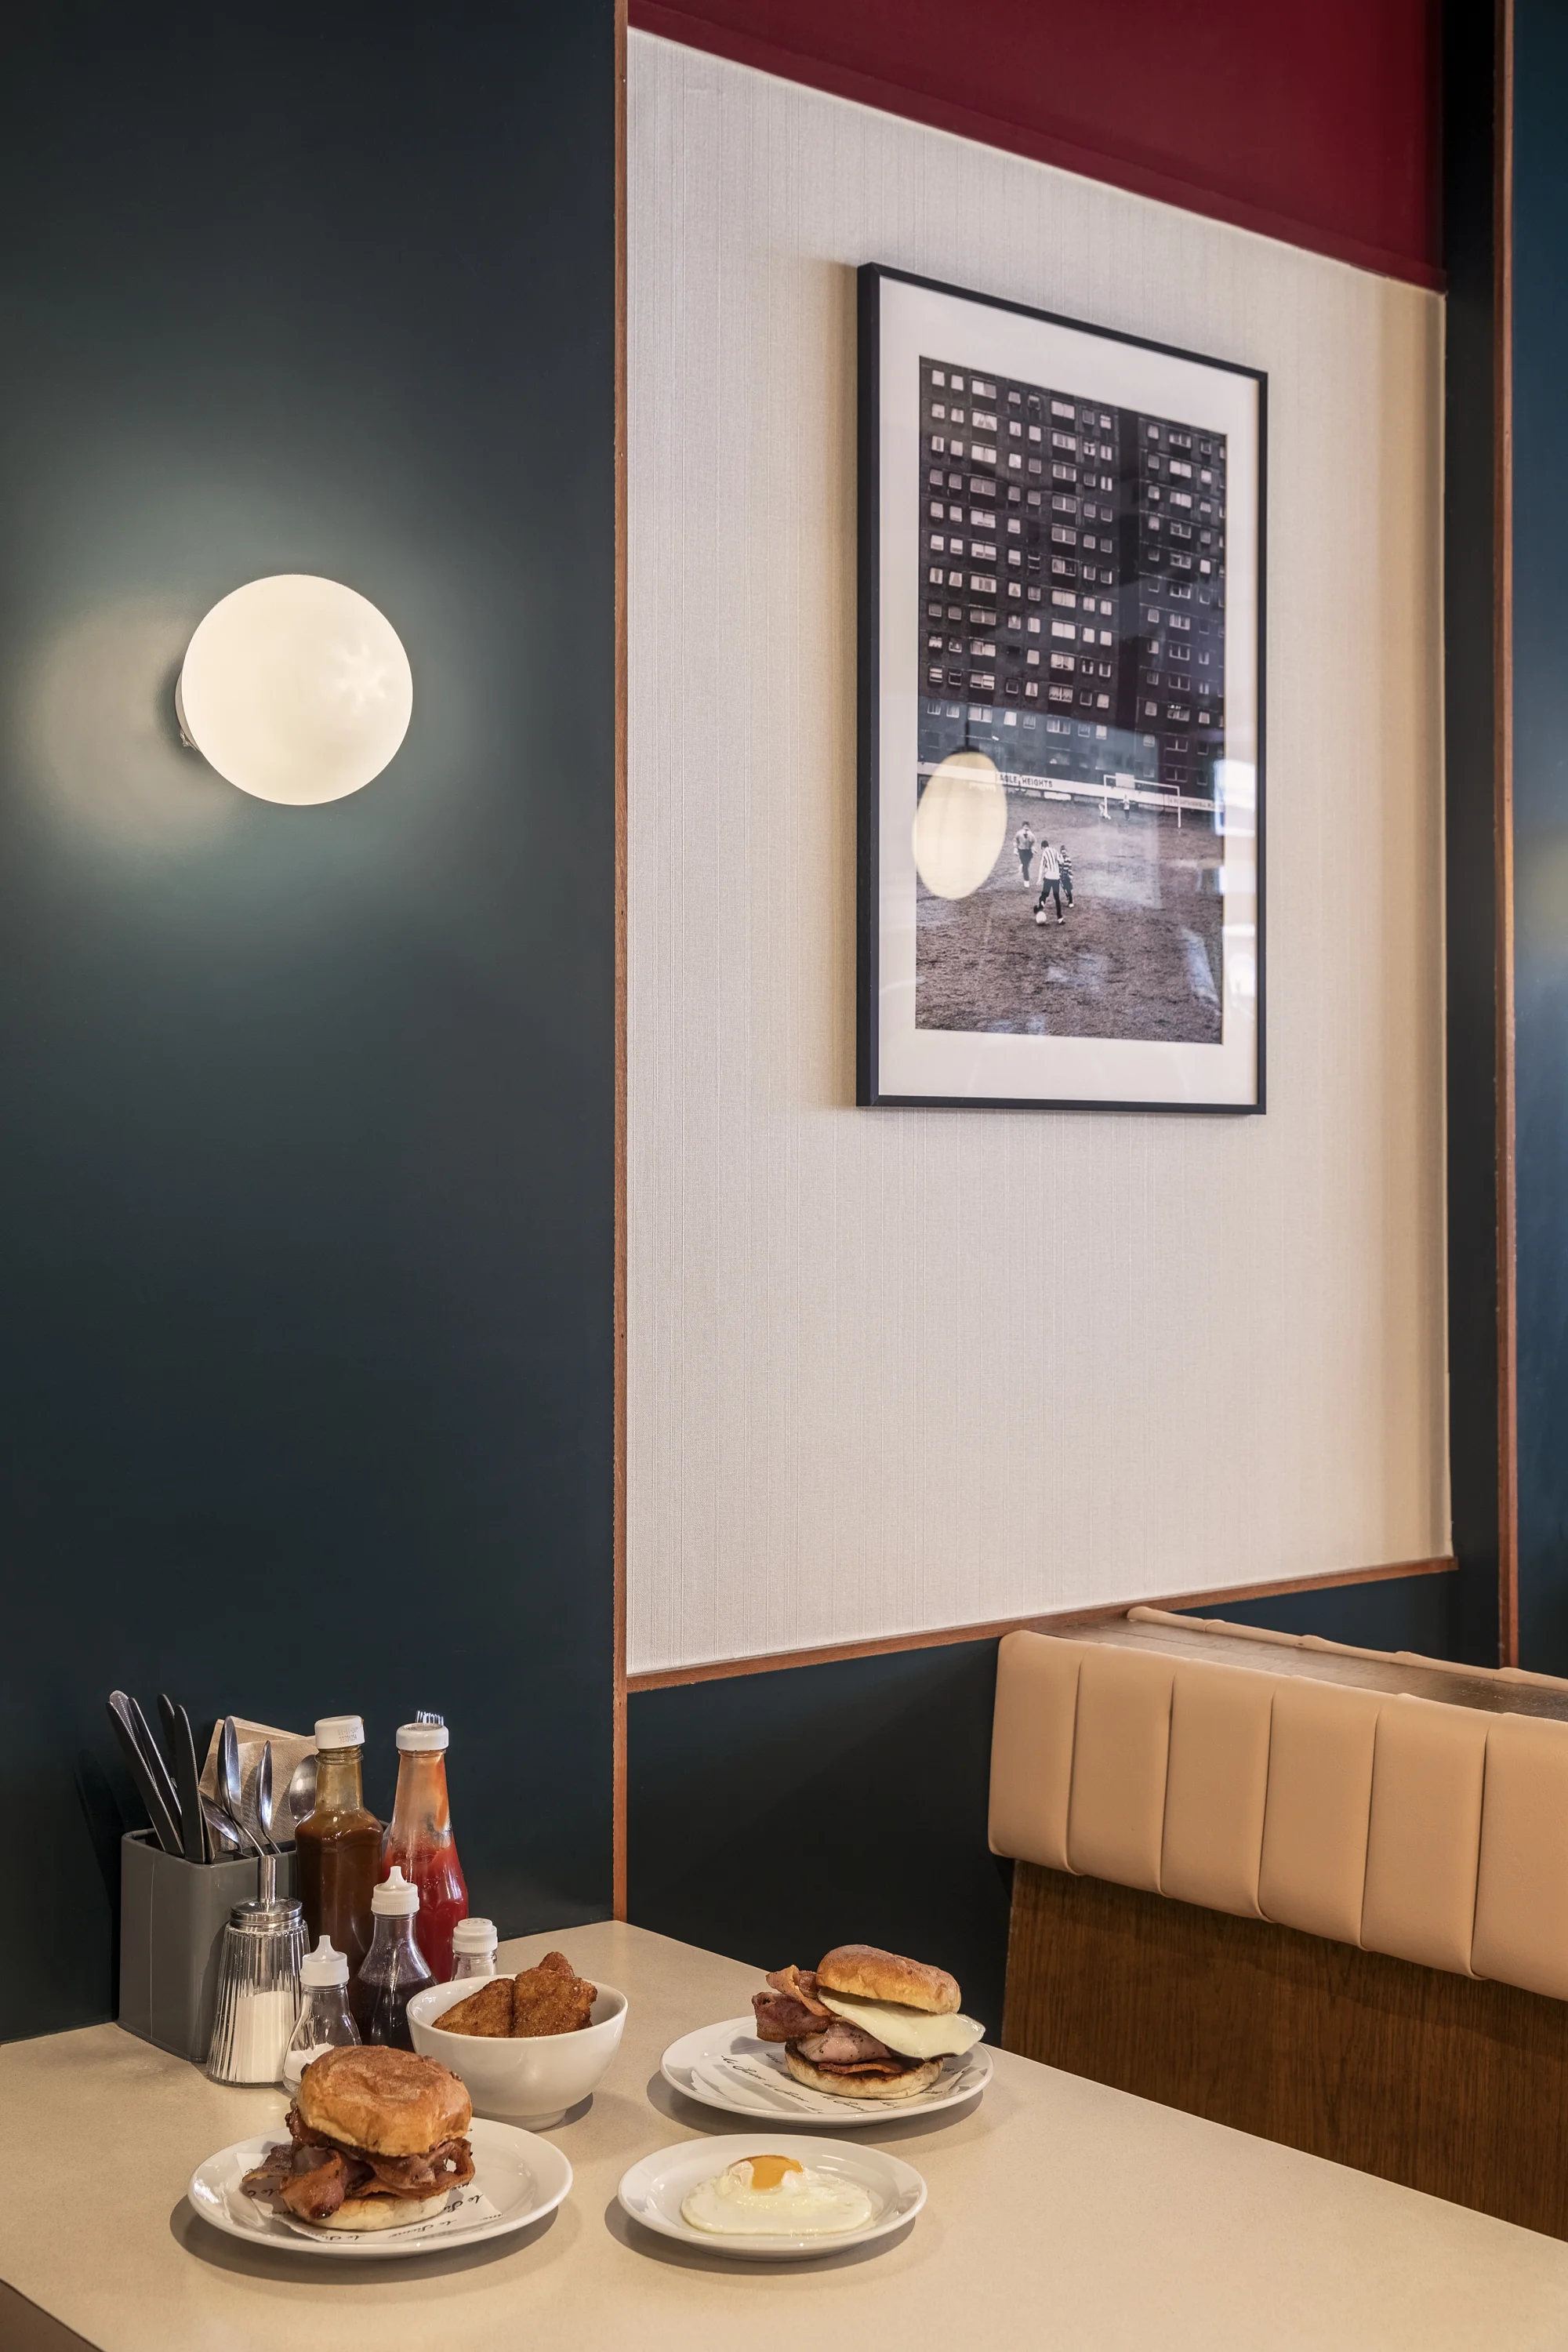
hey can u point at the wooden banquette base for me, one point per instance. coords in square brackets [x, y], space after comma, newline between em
[1445, 2082]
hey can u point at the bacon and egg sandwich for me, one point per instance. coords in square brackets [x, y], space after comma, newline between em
[865, 2024]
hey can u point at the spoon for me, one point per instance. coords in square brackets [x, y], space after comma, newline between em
[230, 1788]
[264, 1795]
[223, 1833]
[231, 1792]
[301, 1790]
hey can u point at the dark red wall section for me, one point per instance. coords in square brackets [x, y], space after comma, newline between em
[1316, 123]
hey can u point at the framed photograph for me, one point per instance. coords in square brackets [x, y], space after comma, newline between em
[1061, 712]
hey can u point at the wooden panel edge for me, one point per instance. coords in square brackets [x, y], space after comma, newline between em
[1502, 866]
[1060, 1620]
[618, 1472]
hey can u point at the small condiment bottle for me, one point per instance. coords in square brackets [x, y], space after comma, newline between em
[474, 1948]
[419, 1841]
[324, 2020]
[393, 1970]
[337, 1846]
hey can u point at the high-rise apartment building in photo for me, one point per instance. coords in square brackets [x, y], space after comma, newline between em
[1072, 589]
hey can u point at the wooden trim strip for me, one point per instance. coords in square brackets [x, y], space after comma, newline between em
[1502, 785]
[722, 1669]
[618, 1472]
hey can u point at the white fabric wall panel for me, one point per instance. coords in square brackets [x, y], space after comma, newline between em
[894, 1370]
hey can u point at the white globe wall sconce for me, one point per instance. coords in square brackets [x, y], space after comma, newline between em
[296, 689]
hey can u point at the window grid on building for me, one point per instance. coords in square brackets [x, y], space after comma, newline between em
[1112, 522]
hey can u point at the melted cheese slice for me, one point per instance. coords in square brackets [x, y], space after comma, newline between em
[910, 2032]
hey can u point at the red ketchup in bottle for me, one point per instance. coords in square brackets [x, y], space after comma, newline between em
[419, 1842]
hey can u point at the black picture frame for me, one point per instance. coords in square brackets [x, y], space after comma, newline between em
[872, 1079]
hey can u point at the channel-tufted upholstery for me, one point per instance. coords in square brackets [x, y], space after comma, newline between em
[1437, 1833]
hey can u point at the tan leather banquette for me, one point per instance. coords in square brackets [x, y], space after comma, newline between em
[1271, 1891]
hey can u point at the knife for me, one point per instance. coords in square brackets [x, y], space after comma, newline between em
[172, 1770]
[183, 1748]
[124, 1714]
[153, 1757]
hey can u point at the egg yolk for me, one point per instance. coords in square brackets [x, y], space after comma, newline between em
[767, 2172]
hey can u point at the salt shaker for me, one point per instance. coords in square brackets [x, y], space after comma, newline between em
[257, 1985]
[324, 2020]
[473, 1948]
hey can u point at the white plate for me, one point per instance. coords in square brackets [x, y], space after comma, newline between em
[518, 2179]
[652, 2193]
[726, 2066]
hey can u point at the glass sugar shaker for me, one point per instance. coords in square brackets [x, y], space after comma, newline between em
[473, 1948]
[324, 2020]
[257, 1985]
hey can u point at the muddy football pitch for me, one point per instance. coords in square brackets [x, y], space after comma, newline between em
[1138, 955]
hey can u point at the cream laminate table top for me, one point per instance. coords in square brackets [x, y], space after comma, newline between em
[1060, 2213]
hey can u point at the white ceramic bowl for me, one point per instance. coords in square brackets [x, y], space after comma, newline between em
[532, 2079]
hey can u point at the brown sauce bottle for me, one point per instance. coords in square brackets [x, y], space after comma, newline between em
[337, 1852]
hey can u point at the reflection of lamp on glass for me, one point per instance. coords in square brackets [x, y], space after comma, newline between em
[296, 689]
[960, 825]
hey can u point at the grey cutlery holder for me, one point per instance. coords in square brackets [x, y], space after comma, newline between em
[173, 1914]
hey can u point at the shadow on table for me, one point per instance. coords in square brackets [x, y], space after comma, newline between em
[267, 2260]
[884, 2125]
[639, 2241]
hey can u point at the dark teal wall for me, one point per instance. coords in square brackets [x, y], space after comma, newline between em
[776, 1815]
[1540, 821]
[305, 1116]
[305, 1159]
[1402, 1612]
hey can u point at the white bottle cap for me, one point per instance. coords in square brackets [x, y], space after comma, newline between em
[340, 1731]
[394, 1895]
[325, 1966]
[412, 1737]
[473, 1936]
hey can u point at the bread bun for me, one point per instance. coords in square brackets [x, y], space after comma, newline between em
[865, 1973]
[863, 2087]
[387, 2101]
[384, 2213]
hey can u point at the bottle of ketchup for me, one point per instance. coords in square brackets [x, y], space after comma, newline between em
[419, 1842]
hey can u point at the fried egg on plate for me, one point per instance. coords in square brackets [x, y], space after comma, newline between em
[773, 2196]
